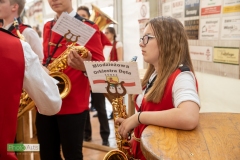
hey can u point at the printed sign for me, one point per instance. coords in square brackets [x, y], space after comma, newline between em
[143, 10]
[209, 28]
[113, 77]
[192, 27]
[231, 28]
[167, 9]
[192, 8]
[209, 7]
[231, 6]
[177, 8]
[201, 53]
[226, 55]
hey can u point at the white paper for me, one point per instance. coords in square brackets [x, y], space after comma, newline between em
[99, 74]
[167, 9]
[231, 28]
[209, 28]
[201, 53]
[144, 10]
[73, 28]
[177, 8]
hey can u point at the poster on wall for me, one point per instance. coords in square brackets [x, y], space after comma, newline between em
[228, 55]
[142, 24]
[231, 6]
[177, 8]
[143, 10]
[191, 28]
[209, 7]
[209, 28]
[167, 9]
[192, 8]
[201, 53]
[230, 28]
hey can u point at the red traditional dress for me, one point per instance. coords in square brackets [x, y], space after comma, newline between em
[165, 104]
[12, 68]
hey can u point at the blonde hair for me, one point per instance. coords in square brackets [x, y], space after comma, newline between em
[173, 48]
[21, 4]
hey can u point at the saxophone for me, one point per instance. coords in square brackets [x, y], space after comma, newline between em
[26, 102]
[124, 148]
[60, 63]
[55, 70]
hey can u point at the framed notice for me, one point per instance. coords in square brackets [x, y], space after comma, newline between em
[177, 8]
[230, 28]
[201, 53]
[209, 7]
[192, 8]
[167, 9]
[231, 6]
[191, 28]
[228, 55]
[209, 28]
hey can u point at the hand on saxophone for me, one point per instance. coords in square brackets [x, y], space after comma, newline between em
[76, 61]
[127, 125]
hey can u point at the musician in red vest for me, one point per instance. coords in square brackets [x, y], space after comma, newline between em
[10, 9]
[169, 98]
[65, 130]
[97, 99]
[21, 70]
[116, 53]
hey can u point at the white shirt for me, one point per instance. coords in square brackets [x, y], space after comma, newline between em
[39, 85]
[184, 89]
[33, 39]
[118, 44]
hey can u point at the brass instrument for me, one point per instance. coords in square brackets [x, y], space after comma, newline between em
[60, 63]
[26, 102]
[124, 148]
[55, 70]
[100, 18]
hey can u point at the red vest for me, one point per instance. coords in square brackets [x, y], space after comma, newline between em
[78, 99]
[12, 69]
[165, 104]
[104, 39]
[113, 53]
[21, 29]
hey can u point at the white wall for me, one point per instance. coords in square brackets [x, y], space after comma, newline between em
[131, 31]
[218, 94]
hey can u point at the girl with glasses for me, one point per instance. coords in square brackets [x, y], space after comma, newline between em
[169, 98]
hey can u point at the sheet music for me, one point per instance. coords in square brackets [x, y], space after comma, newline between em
[66, 23]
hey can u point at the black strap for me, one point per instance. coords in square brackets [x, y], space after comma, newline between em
[48, 60]
[83, 19]
[184, 68]
[149, 85]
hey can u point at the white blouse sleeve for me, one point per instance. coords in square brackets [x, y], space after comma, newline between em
[39, 85]
[184, 89]
[33, 39]
[119, 45]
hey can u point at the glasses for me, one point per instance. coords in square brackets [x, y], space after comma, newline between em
[145, 39]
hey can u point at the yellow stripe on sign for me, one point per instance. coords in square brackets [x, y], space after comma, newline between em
[231, 9]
